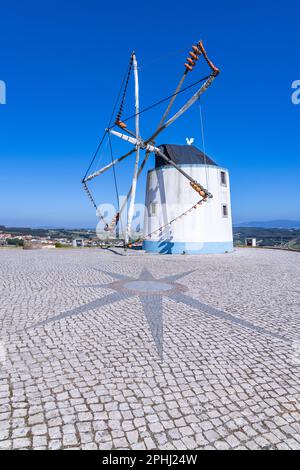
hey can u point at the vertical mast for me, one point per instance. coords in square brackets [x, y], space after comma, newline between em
[137, 154]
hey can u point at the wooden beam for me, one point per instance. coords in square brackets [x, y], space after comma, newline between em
[187, 105]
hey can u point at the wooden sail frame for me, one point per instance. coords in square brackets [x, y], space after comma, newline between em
[149, 144]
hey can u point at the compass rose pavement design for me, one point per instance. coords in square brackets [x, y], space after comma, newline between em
[150, 292]
[148, 352]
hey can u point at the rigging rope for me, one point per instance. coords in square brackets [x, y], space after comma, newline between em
[195, 206]
[162, 101]
[85, 186]
[95, 155]
[121, 109]
[203, 143]
[101, 217]
[125, 77]
[114, 172]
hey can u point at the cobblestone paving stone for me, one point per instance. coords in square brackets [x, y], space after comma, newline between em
[95, 380]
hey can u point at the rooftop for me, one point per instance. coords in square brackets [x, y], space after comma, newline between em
[183, 155]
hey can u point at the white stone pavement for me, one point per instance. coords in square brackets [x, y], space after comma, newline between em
[205, 360]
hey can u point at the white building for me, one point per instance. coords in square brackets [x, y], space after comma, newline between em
[78, 242]
[249, 241]
[207, 229]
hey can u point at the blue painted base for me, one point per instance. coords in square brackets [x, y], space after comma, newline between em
[192, 248]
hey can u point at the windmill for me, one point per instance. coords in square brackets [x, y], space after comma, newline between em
[147, 144]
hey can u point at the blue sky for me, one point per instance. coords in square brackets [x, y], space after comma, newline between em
[63, 61]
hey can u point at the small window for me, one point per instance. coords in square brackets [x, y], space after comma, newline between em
[224, 210]
[153, 208]
[223, 178]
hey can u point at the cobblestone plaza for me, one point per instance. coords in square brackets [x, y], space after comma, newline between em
[99, 350]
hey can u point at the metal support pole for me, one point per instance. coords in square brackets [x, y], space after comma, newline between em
[137, 154]
[138, 175]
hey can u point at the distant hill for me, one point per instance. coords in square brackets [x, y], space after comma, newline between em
[271, 224]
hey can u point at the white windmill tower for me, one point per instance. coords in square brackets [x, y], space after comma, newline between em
[169, 198]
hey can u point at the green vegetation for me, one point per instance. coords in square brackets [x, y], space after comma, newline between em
[59, 245]
[15, 242]
[281, 238]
